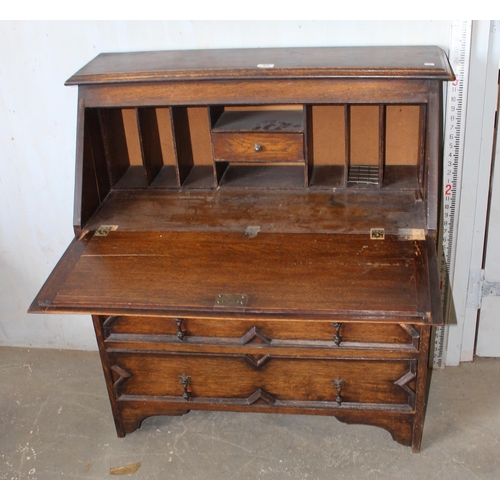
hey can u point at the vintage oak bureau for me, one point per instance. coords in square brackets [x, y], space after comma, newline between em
[255, 230]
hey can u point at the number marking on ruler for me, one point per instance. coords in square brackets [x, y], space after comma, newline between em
[452, 172]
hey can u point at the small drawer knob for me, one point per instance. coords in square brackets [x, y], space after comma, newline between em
[257, 148]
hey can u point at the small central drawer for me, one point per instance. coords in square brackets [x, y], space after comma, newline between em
[258, 147]
[259, 136]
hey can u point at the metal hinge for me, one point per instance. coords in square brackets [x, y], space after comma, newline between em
[104, 230]
[491, 289]
[479, 288]
[377, 233]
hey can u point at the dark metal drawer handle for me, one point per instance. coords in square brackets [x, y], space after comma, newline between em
[185, 380]
[339, 384]
[180, 333]
[258, 148]
[337, 339]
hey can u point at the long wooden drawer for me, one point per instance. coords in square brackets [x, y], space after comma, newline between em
[258, 147]
[276, 381]
[275, 333]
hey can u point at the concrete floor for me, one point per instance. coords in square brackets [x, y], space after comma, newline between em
[56, 423]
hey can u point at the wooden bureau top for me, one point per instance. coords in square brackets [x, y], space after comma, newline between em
[419, 62]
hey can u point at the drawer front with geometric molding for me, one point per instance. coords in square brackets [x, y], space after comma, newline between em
[245, 380]
[272, 333]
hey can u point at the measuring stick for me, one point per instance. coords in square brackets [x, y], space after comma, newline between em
[456, 99]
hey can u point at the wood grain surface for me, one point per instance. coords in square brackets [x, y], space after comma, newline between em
[385, 62]
[331, 275]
